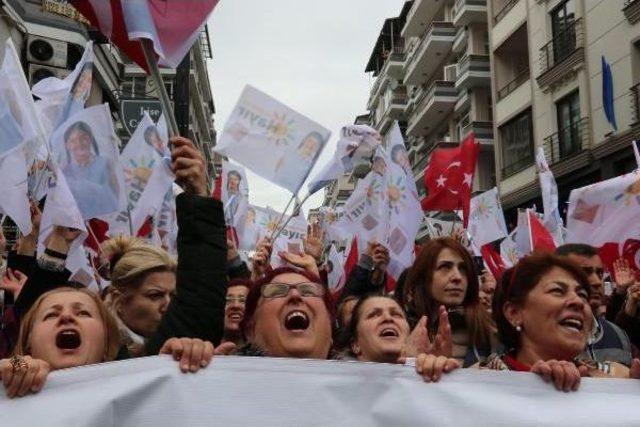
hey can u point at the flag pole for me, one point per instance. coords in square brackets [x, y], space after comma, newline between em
[149, 56]
[276, 231]
[296, 212]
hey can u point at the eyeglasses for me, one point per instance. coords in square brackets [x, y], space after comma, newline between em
[281, 290]
[591, 270]
[230, 298]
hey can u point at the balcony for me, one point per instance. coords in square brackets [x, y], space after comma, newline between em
[473, 71]
[469, 11]
[631, 10]
[464, 101]
[434, 104]
[429, 52]
[483, 132]
[460, 42]
[562, 57]
[518, 166]
[514, 84]
[394, 104]
[420, 15]
[568, 142]
[504, 10]
[394, 63]
[635, 104]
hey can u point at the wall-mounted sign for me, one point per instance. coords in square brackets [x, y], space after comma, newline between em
[132, 111]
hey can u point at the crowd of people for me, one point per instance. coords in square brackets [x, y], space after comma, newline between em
[549, 314]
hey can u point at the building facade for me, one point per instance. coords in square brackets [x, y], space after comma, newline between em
[546, 57]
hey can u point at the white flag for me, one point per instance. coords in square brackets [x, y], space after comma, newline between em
[335, 268]
[147, 178]
[290, 239]
[272, 140]
[606, 211]
[509, 250]
[19, 122]
[60, 209]
[62, 98]
[166, 220]
[81, 270]
[549, 188]
[354, 148]
[85, 149]
[14, 200]
[235, 193]
[486, 219]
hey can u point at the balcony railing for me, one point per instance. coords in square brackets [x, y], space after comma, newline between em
[561, 46]
[631, 10]
[568, 141]
[517, 166]
[514, 84]
[635, 104]
[437, 88]
[437, 29]
[504, 10]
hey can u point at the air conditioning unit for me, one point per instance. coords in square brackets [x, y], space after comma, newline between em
[451, 72]
[45, 51]
[39, 72]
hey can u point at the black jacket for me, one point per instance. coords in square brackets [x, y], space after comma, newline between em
[197, 309]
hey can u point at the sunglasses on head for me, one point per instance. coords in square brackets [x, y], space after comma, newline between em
[281, 290]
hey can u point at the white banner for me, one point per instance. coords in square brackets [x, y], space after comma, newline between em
[237, 391]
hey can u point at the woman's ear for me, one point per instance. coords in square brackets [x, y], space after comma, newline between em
[513, 314]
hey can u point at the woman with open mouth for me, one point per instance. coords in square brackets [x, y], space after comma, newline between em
[69, 327]
[443, 278]
[379, 331]
[544, 320]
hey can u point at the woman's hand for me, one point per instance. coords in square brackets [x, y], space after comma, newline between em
[261, 258]
[188, 166]
[23, 374]
[564, 375]
[633, 297]
[313, 242]
[431, 367]
[303, 260]
[13, 281]
[419, 342]
[191, 353]
[624, 276]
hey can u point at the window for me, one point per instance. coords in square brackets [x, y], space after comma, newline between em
[564, 35]
[516, 141]
[568, 111]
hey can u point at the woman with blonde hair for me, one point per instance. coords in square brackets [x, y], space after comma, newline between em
[143, 280]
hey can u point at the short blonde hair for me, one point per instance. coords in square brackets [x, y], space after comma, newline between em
[111, 336]
[131, 259]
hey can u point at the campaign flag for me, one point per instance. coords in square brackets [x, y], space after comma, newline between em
[449, 177]
[354, 149]
[172, 25]
[166, 220]
[549, 190]
[81, 269]
[147, 178]
[14, 199]
[274, 141]
[62, 98]
[636, 152]
[327, 219]
[234, 193]
[19, 123]
[85, 149]
[291, 239]
[606, 211]
[335, 269]
[486, 219]
[398, 153]
[509, 250]
[258, 223]
[60, 209]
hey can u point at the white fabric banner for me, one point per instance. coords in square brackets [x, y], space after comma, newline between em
[249, 391]
[271, 139]
[235, 193]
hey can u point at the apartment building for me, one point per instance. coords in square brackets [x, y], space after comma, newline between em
[432, 73]
[546, 57]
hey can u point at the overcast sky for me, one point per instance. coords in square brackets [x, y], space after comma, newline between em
[308, 54]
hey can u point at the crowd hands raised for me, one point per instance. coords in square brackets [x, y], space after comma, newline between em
[548, 314]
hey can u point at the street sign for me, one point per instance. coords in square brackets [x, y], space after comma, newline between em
[132, 111]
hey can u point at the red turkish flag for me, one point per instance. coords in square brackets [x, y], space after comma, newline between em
[541, 239]
[493, 259]
[449, 177]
